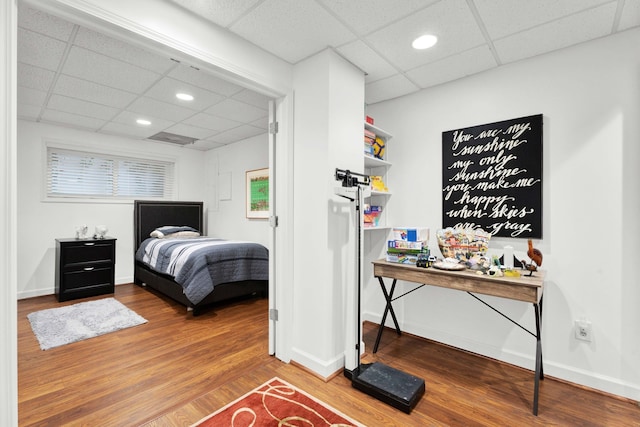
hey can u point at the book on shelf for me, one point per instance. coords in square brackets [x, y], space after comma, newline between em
[377, 183]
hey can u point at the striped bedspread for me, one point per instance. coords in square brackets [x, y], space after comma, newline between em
[199, 264]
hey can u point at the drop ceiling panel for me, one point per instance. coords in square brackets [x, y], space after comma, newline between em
[30, 96]
[220, 12]
[454, 67]
[630, 15]
[375, 66]
[237, 134]
[505, 18]
[63, 118]
[165, 90]
[123, 129]
[44, 23]
[301, 27]
[207, 121]
[391, 87]
[451, 21]
[38, 50]
[190, 131]
[557, 34]
[93, 92]
[73, 105]
[236, 110]
[121, 51]
[28, 112]
[364, 16]
[204, 80]
[34, 77]
[253, 98]
[163, 110]
[106, 71]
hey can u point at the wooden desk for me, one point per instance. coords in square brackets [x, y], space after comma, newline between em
[525, 288]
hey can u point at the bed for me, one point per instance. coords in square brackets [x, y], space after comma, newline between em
[151, 215]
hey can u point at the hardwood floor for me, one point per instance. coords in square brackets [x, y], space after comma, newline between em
[176, 369]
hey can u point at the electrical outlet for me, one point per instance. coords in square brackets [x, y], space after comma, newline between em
[583, 330]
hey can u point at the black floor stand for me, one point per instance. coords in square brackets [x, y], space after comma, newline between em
[387, 384]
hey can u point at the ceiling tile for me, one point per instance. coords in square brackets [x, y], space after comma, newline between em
[165, 90]
[207, 121]
[630, 16]
[388, 88]
[72, 120]
[220, 12]
[204, 80]
[203, 145]
[365, 58]
[30, 96]
[92, 92]
[121, 51]
[454, 67]
[237, 134]
[303, 28]
[73, 105]
[505, 18]
[128, 118]
[128, 130]
[43, 23]
[28, 112]
[451, 21]
[34, 77]
[107, 71]
[363, 16]
[262, 123]
[163, 110]
[253, 98]
[236, 110]
[38, 50]
[557, 34]
[190, 131]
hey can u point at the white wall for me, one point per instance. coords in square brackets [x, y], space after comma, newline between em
[41, 222]
[590, 98]
[226, 166]
[329, 94]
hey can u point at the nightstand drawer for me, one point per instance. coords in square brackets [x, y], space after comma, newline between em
[88, 276]
[88, 252]
[85, 268]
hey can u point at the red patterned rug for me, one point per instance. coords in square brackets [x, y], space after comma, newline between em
[277, 403]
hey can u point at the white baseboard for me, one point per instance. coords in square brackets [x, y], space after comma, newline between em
[564, 372]
[50, 291]
[324, 368]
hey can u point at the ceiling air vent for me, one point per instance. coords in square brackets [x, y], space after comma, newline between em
[173, 138]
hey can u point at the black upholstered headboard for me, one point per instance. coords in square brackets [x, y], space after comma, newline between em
[149, 215]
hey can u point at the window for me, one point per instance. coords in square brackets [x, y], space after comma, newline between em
[94, 175]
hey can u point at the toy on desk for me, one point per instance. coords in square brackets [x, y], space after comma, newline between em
[536, 259]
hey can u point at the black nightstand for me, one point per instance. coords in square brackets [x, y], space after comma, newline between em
[85, 267]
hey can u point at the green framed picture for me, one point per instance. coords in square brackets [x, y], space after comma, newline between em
[258, 193]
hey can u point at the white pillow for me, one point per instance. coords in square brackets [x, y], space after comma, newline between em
[174, 231]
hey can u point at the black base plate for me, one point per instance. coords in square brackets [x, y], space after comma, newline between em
[389, 385]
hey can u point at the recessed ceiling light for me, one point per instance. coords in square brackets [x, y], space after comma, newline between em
[424, 42]
[143, 122]
[184, 96]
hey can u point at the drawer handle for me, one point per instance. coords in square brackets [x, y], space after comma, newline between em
[88, 268]
[89, 244]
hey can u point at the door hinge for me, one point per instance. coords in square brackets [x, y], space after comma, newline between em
[273, 221]
[273, 314]
[273, 128]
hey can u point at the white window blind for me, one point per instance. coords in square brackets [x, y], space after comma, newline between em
[82, 174]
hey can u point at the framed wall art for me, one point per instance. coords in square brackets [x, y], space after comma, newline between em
[257, 193]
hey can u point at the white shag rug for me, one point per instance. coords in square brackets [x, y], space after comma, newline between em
[64, 325]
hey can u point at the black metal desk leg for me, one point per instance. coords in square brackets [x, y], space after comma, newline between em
[388, 309]
[539, 375]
